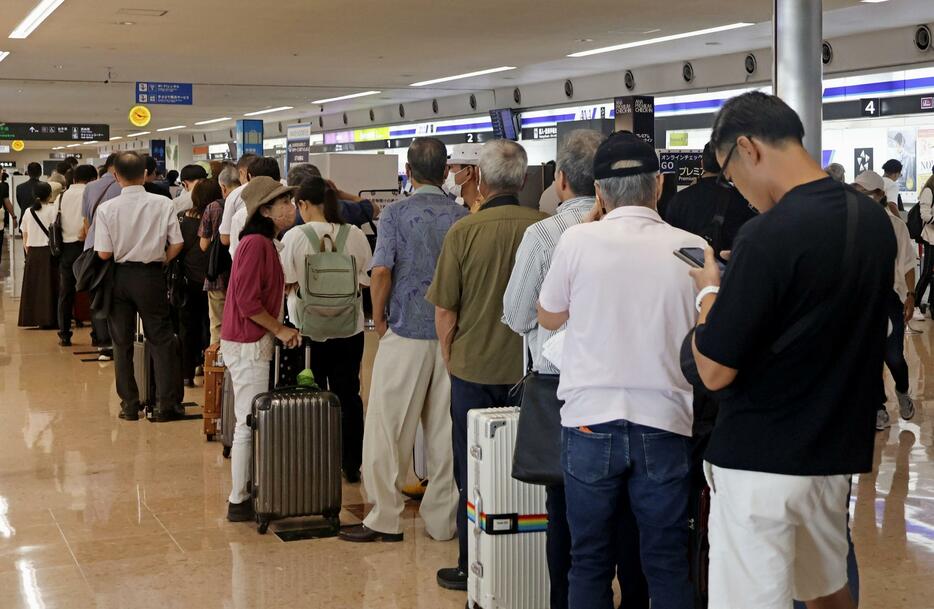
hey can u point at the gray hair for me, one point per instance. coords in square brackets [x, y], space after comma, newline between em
[301, 172]
[427, 158]
[575, 160]
[836, 171]
[503, 164]
[229, 176]
[638, 190]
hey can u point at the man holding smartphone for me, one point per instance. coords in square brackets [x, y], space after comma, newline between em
[800, 360]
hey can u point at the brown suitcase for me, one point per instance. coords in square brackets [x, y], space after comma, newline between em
[213, 391]
[82, 308]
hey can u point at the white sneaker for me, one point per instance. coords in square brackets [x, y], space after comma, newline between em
[906, 407]
[918, 316]
[882, 420]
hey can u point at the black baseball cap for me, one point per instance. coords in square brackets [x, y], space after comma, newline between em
[624, 148]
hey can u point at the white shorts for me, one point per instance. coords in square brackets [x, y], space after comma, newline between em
[775, 538]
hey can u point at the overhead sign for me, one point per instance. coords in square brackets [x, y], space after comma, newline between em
[7, 164]
[18, 145]
[871, 106]
[51, 132]
[170, 93]
[686, 164]
[250, 137]
[298, 144]
[61, 156]
[927, 103]
[140, 116]
[636, 113]
[4, 149]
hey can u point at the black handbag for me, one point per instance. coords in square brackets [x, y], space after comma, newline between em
[537, 456]
[56, 235]
[219, 261]
[176, 284]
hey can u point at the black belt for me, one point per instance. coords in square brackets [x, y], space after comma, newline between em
[140, 264]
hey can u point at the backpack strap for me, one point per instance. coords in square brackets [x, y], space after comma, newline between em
[312, 237]
[342, 233]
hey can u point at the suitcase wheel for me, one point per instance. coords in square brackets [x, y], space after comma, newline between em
[263, 526]
[226, 452]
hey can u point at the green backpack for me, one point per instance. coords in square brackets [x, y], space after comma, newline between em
[329, 302]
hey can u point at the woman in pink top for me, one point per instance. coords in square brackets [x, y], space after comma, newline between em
[251, 321]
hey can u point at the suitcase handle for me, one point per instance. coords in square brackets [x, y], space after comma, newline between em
[478, 509]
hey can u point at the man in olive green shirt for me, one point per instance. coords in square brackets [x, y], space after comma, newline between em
[483, 356]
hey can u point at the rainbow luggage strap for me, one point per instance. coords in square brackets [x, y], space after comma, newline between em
[507, 524]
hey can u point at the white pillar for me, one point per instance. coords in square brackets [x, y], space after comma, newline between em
[797, 68]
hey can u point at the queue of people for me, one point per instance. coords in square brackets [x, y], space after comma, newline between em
[760, 342]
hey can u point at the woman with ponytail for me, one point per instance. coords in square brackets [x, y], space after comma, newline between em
[38, 305]
[335, 362]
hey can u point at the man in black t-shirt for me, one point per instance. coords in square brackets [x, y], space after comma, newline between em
[800, 362]
[709, 210]
[24, 192]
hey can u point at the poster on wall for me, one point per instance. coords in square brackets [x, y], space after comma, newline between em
[862, 160]
[925, 155]
[901, 146]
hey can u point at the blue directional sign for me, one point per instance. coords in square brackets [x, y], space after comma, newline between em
[171, 93]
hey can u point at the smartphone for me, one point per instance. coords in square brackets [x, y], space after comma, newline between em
[694, 256]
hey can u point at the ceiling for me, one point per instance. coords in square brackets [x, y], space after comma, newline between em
[81, 64]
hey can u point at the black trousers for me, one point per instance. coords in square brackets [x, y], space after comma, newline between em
[632, 583]
[465, 396]
[924, 281]
[66, 286]
[195, 329]
[336, 366]
[140, 289]
[895, 347]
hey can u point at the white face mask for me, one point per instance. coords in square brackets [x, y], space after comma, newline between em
[451, 185]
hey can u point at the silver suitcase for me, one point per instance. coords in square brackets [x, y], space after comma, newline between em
[142, 366]
[296, 455]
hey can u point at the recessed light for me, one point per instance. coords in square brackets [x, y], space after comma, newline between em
[648, 41]
[138, 134]
[172, 128]
[90, 143]
[127, 23]
[435, 81]
[116, 137]
[269, 110]
[58, 148]
[584, 40]
[214, 120]
[59, 67]
[653, 31]
[72, 145]
[343, 97]
[35, 18]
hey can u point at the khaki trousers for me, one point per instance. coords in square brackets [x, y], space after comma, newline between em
[410, 384]
[216, 300]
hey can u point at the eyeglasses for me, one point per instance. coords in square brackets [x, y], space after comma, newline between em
[721, 177]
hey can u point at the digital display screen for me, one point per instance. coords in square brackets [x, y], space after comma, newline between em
[505, 124]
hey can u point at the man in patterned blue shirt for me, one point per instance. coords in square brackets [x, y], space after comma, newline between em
[410, 382]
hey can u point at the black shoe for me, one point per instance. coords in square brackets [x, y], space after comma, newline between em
[79, 324]
[241, 512]
[164, 415]
[64, 342]
[452, 579]
[363, 534]
[128, 413]
[352, 475]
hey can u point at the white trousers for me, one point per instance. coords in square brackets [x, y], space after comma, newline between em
[774, 538]
[410, 384]
[248, 364]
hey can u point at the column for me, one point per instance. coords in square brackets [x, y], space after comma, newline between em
[797, 68]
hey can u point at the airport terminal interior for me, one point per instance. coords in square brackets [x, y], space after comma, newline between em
[98, 510]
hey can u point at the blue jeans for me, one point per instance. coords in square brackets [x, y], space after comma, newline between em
[615, 465]
[465, 396]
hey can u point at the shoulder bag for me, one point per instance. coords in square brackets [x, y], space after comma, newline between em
[537, 455]
[86, 260]
[56, 235]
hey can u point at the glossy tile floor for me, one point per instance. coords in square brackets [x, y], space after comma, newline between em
[98, 512]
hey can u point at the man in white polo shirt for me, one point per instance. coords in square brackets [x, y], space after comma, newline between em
[234, 202]
[628, 409]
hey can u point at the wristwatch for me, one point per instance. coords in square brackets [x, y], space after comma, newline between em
[711, 289]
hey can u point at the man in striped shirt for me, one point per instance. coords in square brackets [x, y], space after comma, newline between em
[574, 185]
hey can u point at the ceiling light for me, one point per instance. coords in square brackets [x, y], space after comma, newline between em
[172, 128]
[58, 148]
[258, 112]
[138, 134]
[72, 145]
[343, 97]
[90, 143]
[127, 23]
[116, 137]
[214, 120]
[641, 43]
[873, 1]
[459, 76]
[35, 18]
[4, 55]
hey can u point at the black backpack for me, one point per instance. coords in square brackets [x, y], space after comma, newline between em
[915, 223]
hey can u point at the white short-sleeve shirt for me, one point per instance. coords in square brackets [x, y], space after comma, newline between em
[136, 226]
[296, 247]
[35, 237]
[232, 205]
[631, 303]
[237, 222]
[907, 257]
[72, 216]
